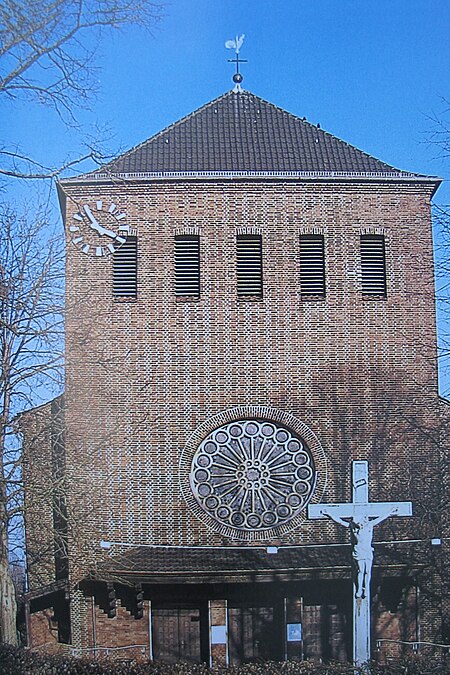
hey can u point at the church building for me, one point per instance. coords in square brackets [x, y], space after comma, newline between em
[249, 311]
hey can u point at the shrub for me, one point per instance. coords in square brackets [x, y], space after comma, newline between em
[25, 662]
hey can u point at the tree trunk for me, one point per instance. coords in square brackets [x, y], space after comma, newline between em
[8, 605]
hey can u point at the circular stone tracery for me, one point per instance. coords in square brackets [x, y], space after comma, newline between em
[252, 475]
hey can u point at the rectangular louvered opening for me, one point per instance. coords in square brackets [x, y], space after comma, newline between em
[373, 265]
[125, 269]
[187, 265]
[249, 265]
[312, 266]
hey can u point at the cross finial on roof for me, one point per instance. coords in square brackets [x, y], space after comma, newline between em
[236, 44]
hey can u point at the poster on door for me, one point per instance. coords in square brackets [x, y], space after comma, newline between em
[294, 632]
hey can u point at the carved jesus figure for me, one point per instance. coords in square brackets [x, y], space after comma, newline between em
[361, 534]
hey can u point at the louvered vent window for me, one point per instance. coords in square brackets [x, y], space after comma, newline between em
[187, 265]
[373, 265]
[249, 265]
[312, 266]
[125, 269]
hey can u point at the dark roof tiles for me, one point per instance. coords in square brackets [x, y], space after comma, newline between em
[241, 132]
[191, 561]
[159, 564]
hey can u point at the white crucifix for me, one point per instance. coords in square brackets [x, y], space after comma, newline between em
[360, 516]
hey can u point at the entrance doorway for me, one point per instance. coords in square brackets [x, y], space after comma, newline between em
[253, 634]
[176, 635]
[325, 630]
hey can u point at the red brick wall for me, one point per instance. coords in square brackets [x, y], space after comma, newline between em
[43, 631]
[141, 376]
[123, 631]
[38, 497]
[99, 632]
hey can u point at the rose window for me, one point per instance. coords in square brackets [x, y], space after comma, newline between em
[252, 475]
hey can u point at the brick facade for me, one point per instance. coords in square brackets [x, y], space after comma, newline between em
[43, 432]
[167, 366]
[146, 377]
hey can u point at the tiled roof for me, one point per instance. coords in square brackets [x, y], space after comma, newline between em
[160, 562]
[191, 565]
[240, 132]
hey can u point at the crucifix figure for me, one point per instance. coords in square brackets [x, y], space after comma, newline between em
[361, 533]
[360, 516]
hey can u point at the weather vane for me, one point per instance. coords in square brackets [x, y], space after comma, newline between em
[236, 44]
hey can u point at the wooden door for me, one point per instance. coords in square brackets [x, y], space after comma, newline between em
[312, 632]
[252, 634]
[324, 632]
[176, 635]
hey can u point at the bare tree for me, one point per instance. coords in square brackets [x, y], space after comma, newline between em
[46, 57]
[31, 325]
[439, 135]
[439, 140]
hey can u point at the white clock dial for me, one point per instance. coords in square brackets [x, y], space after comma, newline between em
[98, 228]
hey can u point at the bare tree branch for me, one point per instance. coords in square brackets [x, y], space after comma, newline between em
[440, 133]
[47, 50]
[31, 327]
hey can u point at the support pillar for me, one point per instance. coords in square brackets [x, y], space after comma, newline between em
[150, 630]
[218, 633]
[293, 637]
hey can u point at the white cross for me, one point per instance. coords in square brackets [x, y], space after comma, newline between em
[360, 516]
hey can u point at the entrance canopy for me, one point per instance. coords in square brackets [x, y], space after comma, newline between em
[178, 565]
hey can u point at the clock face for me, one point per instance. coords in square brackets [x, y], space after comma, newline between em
[99, 228]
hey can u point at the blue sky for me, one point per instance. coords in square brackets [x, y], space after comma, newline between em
[372, 72]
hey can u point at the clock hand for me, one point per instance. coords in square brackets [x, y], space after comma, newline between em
[95, 225]
[109, 233]
[89, 214]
